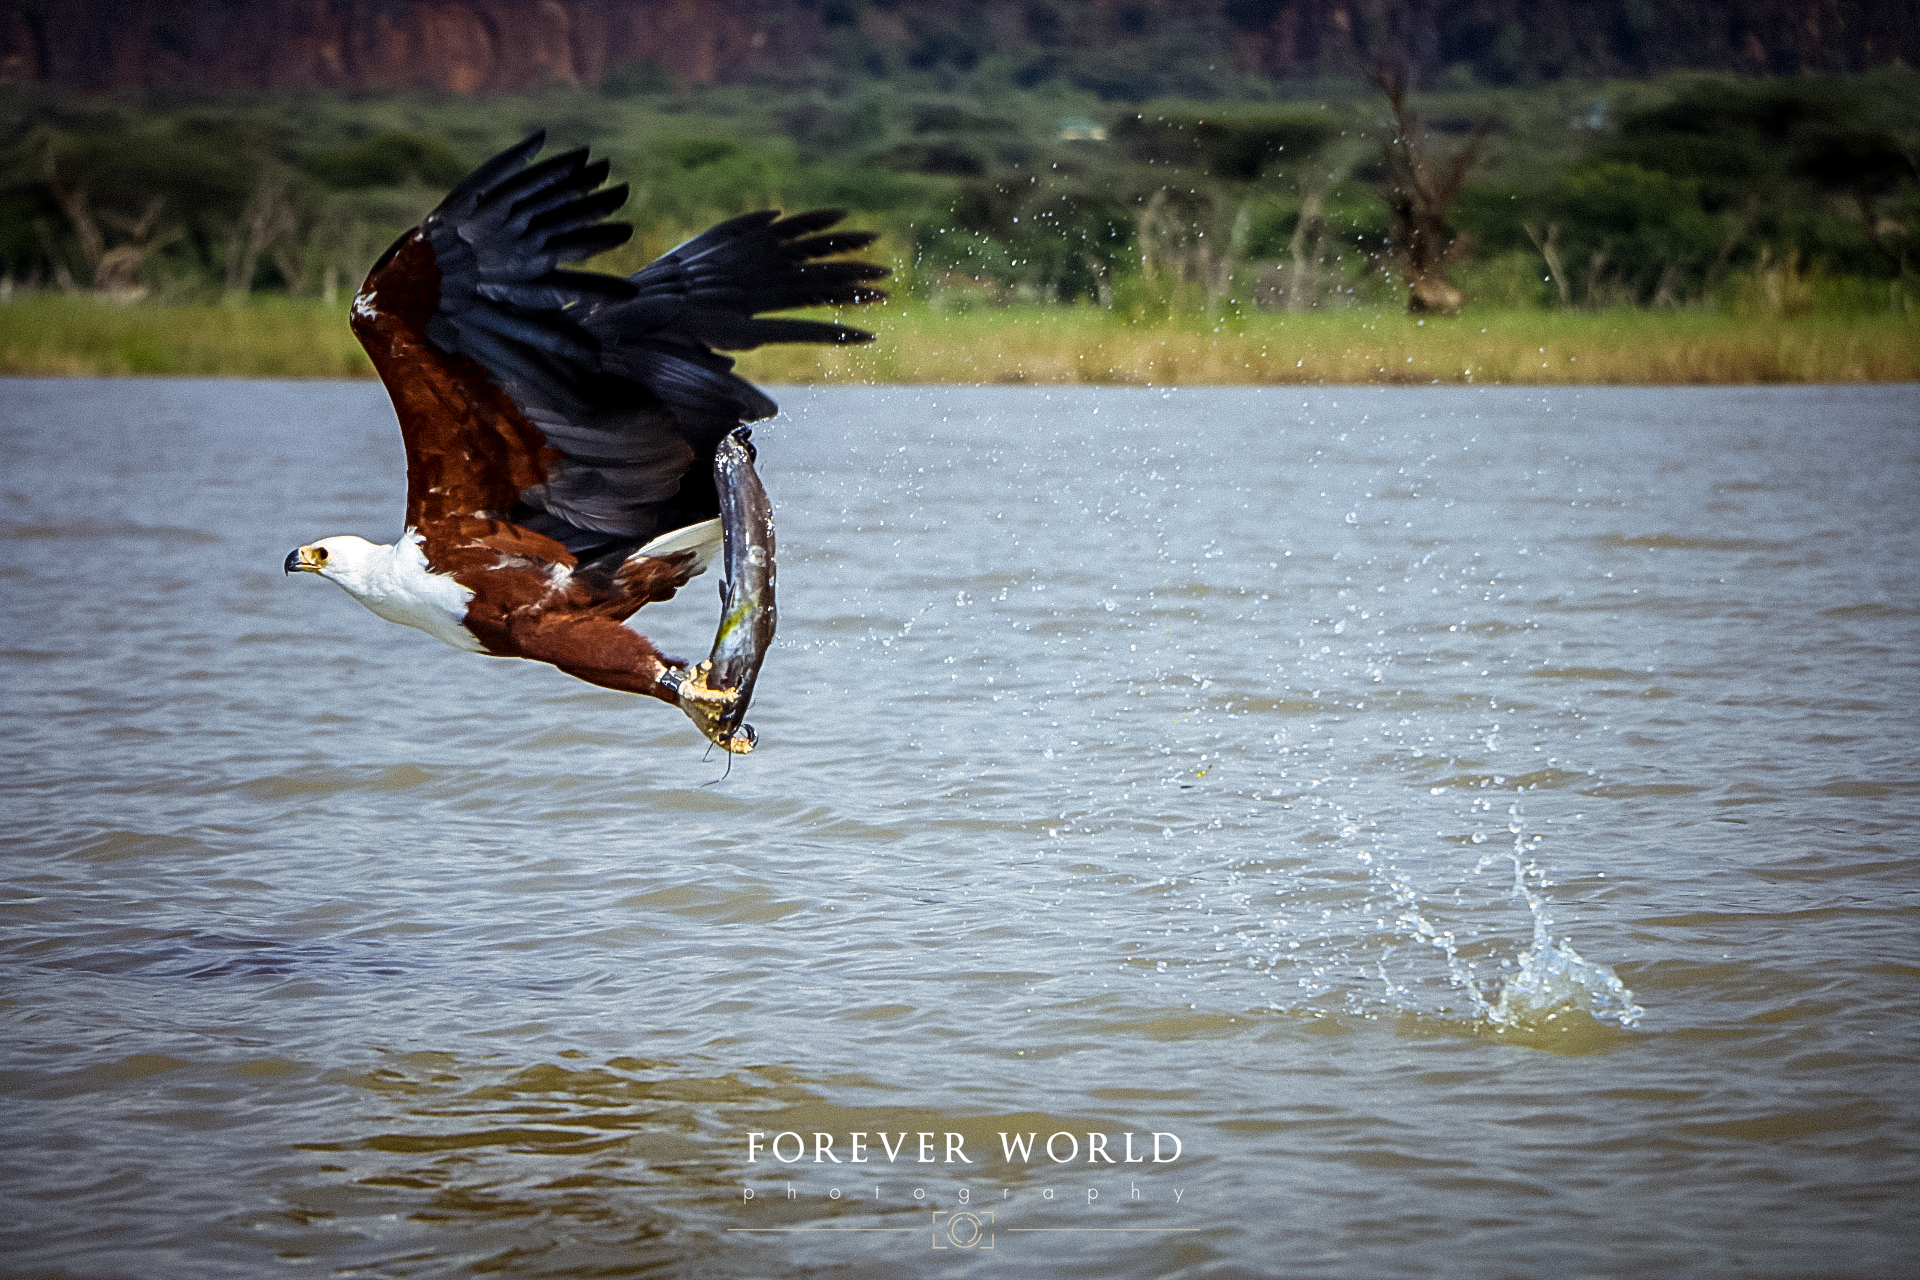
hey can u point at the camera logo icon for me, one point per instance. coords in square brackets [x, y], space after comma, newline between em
[963, 1229]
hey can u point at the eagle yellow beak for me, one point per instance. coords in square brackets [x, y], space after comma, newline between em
[305, 560]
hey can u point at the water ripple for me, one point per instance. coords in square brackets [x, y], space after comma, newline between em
[1473, 793]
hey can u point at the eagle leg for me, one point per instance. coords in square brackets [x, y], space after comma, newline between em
[707, 706]
[587, 647]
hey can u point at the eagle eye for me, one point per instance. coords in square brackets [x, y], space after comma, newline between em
[320, 555]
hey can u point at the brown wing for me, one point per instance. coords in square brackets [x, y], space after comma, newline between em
[470, 449]
[578, 407]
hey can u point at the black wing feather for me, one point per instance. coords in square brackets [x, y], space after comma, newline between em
[582, 212]
[584, 242]
[460, 200]
[623, 376]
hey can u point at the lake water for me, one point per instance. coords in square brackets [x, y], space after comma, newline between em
[1477, 825]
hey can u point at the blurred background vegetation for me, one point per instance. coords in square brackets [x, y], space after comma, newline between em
[1033, 162]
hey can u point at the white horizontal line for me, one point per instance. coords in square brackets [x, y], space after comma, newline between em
[1102, 1228]
[826, 1228]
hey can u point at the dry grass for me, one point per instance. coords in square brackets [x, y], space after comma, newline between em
[1057, 346]
[281, 338]
[271, 337]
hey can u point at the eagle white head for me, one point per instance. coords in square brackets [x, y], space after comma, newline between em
[352, 562]
[394, 582]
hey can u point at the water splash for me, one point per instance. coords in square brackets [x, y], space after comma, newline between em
[1548, 981]
[1553, 978]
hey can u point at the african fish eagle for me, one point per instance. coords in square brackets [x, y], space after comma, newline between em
[561, 426]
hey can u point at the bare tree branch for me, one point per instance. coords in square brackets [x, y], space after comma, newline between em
[1420, 191]
[74, 203]
[267, 218]
[112, 271]
[1549, 248]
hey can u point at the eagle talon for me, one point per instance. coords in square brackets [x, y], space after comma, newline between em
[707, 706]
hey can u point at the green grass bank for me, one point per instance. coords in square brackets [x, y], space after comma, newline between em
[62, 335]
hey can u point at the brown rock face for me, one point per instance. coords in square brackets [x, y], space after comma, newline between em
[457, 46]
[467, 46]
[1578, 38]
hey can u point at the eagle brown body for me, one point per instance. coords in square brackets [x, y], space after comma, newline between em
[559, 423]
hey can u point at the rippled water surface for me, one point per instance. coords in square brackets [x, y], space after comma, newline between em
[1478, 825]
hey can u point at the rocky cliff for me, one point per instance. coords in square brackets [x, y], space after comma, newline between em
[1110, 46]
[459, 46]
